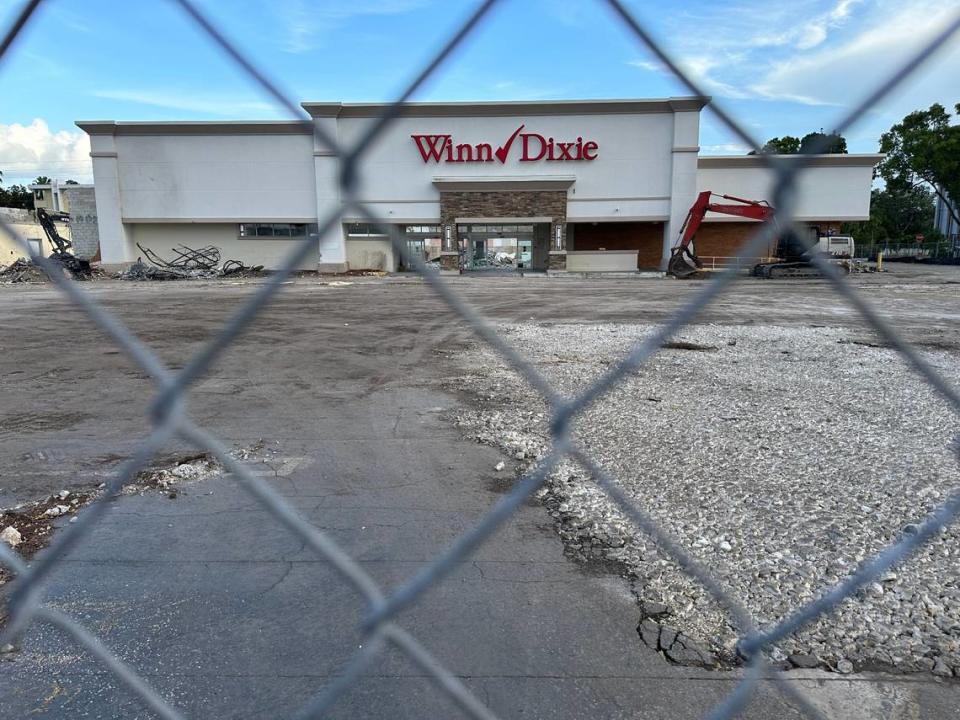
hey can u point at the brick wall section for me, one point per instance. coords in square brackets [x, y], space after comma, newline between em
[508, 204]
[83, 221]
[646, 238]
[723, 239]
[505, 204]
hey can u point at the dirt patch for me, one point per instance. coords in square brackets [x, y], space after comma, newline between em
[34, 523]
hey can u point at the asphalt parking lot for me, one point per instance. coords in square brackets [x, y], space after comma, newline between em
[348, 388]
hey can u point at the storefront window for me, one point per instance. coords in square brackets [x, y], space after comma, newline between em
[365, 230]
[287, 230]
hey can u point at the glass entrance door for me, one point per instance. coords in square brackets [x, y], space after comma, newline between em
[496, 247]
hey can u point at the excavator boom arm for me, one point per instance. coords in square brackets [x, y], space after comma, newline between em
[752, 209]
[683, 261]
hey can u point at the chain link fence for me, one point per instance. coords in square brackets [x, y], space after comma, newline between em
[169, 417]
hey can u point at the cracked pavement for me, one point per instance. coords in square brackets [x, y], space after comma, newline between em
[228, 615]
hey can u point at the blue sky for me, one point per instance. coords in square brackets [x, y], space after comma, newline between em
[783, 68]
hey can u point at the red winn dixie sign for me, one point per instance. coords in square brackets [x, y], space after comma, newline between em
[532, 147]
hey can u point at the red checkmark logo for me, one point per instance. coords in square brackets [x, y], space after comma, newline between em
[504, 149]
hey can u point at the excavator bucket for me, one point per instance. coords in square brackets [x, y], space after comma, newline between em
[683, 263]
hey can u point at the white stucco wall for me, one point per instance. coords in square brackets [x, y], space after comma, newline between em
[204, 177]
[161, 238]
[629, 179]
[370, 254]
[826, 191]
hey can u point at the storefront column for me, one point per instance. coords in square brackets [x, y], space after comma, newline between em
[116, 244]
[557, 258]
[449, 249]
[683, 176]
[326, 165]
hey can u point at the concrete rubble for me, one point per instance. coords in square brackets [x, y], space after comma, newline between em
[781, 458]
[168, 477]
[22, 271]
[11, 536]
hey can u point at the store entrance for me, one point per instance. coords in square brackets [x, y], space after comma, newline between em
[503, 247]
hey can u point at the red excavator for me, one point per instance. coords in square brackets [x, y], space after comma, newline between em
[794, 256]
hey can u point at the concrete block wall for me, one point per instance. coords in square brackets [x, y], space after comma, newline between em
[25, 224]
[84, 231]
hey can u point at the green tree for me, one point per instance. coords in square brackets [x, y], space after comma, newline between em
[16, 196]
[898, 213]
[812, 142]
[42, 180]
[787, 145]
[824, 143]
[924, 149]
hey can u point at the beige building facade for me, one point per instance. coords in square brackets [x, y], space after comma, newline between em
[560, 186]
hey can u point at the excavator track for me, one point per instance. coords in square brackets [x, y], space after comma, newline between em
[791, 270]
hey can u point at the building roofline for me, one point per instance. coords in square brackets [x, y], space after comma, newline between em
[509, 108]
[221, 127]
[361, 110]
[834, 160]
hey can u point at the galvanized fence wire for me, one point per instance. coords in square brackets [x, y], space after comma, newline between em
[169, 416]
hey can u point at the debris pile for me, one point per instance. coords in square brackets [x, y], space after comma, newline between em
[189, 264]
[166, 477]
[205, 258]
[498, 258]
[236, 268]
[28, 527]
[367, 273]
[22, 271]
[141, 271]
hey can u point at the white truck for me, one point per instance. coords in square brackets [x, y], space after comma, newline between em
[839, 246]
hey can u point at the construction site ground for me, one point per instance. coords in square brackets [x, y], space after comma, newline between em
[343, 394]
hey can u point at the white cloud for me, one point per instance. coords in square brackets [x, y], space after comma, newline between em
[305, 21]
[700, 69]
[205, 103]
[652, 65]
[847, 70]
[801, 34]
[811, 35]
[725, 149]
[818, 54]
[31, 150]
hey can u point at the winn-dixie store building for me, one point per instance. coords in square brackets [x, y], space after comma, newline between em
[595, 185]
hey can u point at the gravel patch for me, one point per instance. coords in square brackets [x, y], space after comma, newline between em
[780, 457]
